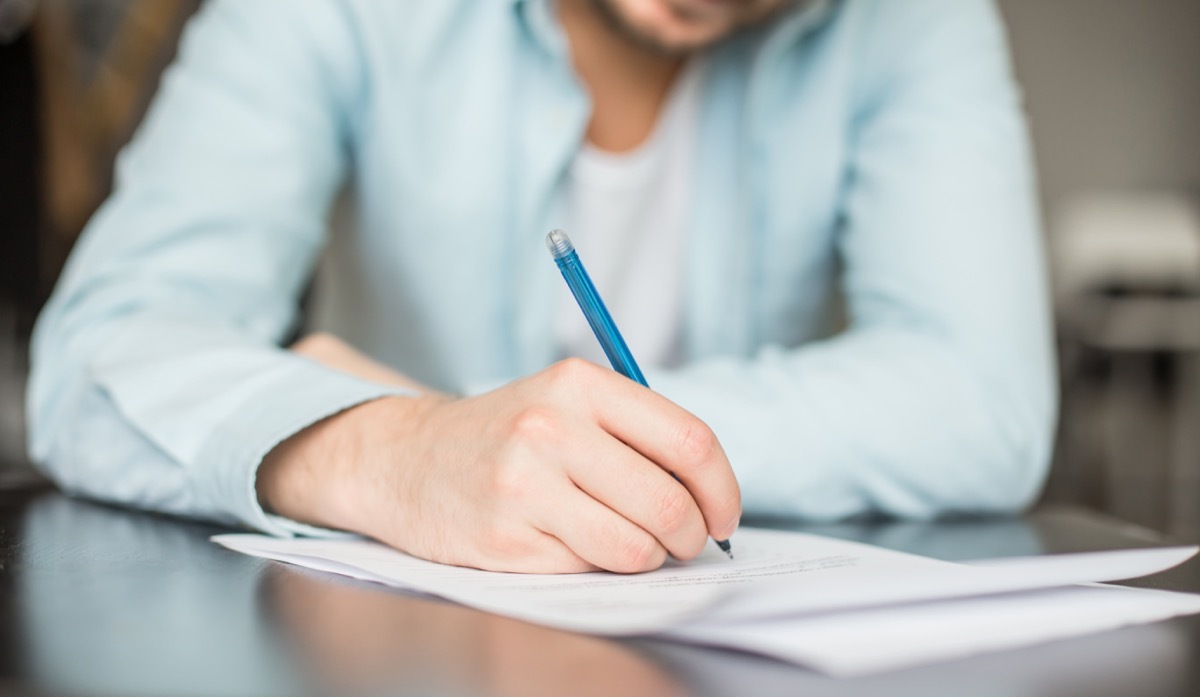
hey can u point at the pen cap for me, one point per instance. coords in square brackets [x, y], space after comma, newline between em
[559, 244]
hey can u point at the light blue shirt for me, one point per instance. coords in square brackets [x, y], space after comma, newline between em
[867, 153]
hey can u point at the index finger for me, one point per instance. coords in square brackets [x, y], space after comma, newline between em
[676, 440]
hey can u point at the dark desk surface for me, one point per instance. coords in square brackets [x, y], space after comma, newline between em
[98, 600]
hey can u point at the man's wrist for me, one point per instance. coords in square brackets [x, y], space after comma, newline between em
[315, 477]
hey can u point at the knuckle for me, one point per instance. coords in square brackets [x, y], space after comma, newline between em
[534, 423]
[569, 372]
[503, 542]
[511, 479]
[672, 509]
[696, 443]
[640, 552]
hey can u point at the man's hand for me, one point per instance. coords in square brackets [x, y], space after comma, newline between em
[567, 470]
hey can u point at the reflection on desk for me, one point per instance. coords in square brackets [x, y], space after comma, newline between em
[99, 600]
[356, 640]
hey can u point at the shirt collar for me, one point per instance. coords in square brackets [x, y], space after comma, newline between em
[801, 18]
[538, 20]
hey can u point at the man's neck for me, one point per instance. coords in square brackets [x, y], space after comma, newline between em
[628, 83]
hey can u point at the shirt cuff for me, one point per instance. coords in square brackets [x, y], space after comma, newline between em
[286, 527]
[297, 397]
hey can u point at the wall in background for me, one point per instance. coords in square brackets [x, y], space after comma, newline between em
[1113, 92]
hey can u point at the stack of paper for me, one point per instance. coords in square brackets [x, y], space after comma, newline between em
[844, 608]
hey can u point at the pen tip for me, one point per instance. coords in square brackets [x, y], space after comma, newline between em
[725, 547]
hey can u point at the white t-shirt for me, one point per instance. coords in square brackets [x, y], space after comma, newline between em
[627, 215]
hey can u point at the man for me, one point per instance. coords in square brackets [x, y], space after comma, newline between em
[728, 169]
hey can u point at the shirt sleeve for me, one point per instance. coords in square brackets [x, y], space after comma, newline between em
[157, 375]
[940, 395]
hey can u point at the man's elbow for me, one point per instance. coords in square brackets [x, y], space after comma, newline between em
[1018, 456]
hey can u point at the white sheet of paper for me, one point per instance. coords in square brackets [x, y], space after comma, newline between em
[605, 603]
[841, 607]
[851, 590]
[860, 642]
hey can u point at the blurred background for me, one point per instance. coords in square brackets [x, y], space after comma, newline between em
[1113, 95]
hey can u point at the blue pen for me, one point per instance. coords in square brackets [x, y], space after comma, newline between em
[598, 318]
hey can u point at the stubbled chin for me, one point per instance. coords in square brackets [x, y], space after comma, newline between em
[712, 11]
[672, 31]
